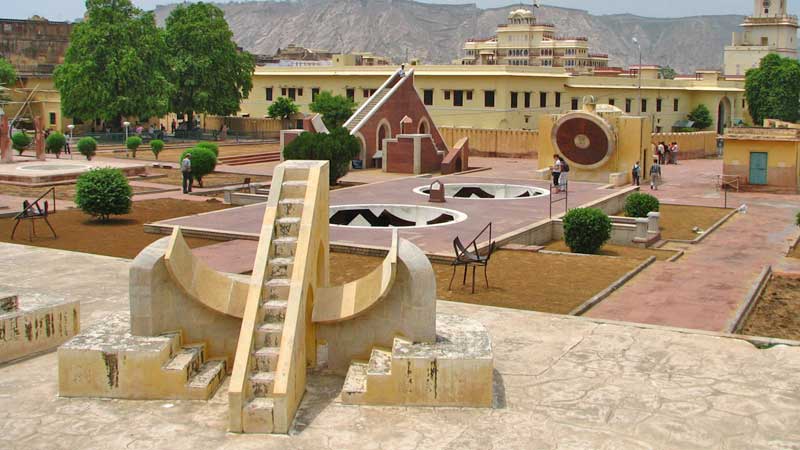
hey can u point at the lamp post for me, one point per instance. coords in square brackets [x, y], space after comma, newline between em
[126, 125]
[643, 158]
[71, 128]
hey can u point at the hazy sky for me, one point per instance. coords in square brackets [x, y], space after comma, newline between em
[71, 9]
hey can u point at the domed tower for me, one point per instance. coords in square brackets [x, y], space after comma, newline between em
[769, 30]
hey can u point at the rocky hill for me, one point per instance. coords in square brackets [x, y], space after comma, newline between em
[435, 33]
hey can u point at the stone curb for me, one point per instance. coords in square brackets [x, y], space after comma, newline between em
[793, 246]
[743, 312]
[678, 255]
[589, 304]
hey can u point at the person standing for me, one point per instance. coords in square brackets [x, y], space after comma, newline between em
[636, 173]
[675, 153]
[174, 125]
[655, 175]
[660, 151]
[186, 171]
[556, 169]
[562, 179]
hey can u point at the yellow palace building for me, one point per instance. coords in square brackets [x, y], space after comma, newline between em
[511, 97]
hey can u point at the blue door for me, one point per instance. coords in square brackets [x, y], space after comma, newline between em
[758, 168]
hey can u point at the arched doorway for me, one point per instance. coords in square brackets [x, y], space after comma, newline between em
[383, 133]
[424, 128]
[723, 115]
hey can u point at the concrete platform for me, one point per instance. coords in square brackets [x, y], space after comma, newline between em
[29, 172]
[35, 323]
[559, 382]
[506, 215]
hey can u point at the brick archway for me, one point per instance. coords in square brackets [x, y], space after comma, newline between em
[384, 132]
[424, 126]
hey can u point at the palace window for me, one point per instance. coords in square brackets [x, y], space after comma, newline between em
[644, 105]
[658, 105]
[514, 100]
[458, 98]
[628, 103]
[527, 100]
[542, 99]
[558, 99]
[447, 95]
[351, 94]
[269, 94]
[574, 105]
[488, 99]
[675, 105]
[314, 93]
[427, 97]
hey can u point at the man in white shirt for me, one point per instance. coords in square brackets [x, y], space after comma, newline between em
[186, 171]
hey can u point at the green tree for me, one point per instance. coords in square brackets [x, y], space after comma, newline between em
[667, 73]
[8, 76]
[701, 117]
[773, 89]
[640, 204]
[338, 147]
[335, 109]
[209, 73]
[282, 108]
[156, 145]
[115, 65]
[55, 143]
[133, 144]
[203, 162]
[209, 145]
[103, 192]
[20, 141]
[87, 147]
[586, 230]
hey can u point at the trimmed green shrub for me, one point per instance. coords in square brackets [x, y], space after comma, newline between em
[586, 230]
[209, 145]
[87, 147]
[640, 204]
[338, 147]
[133, 144]
[103, 192]
[203, 162]
[55, 143]
[20, 141]
[156, 145]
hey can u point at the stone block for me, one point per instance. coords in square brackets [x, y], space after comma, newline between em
[35, 324]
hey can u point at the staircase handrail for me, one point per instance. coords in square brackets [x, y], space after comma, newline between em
[383, 100]
[366, 103]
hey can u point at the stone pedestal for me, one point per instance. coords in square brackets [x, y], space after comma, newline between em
[38, 140]
[35, 324]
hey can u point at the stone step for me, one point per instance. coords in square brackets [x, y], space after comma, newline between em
[295, 174]
[207, 379]
[356, 380]
[175, 340]
[274, 310]
[287, 227]
[188, 360]
[266, 358]
[257, 415]
[262, 383]
[294, 189]
[290, 207]
[269, 334]
[380, 362]
[284, 247]
[280, 267]
[8, 303]
[277, 288]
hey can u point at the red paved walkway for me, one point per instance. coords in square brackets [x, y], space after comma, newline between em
[703, 289]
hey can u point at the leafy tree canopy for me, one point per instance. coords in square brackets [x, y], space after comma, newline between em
[209, 73]
[8, 75]
[773, 89]
[701, 117]
[667, 73]
[335, 109]
[282, 108]
[115, 65]
[338, 147]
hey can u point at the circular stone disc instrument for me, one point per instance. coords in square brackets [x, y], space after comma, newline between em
[586, 140]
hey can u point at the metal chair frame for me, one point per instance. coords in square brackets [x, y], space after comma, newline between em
[472, 258]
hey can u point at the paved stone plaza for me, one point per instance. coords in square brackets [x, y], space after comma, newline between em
[560, 382]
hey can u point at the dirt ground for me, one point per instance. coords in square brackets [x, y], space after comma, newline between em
[517, 279]
[172, 154]
[63, 192]
[677, 221]
[123, 237]
[618, 250]
[173, 177]
[777, 313]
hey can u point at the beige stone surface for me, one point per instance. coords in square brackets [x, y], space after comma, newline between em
[559, 382]
[36, 324]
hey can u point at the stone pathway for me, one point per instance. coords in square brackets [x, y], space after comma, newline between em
[704, 288]
[560, 382]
